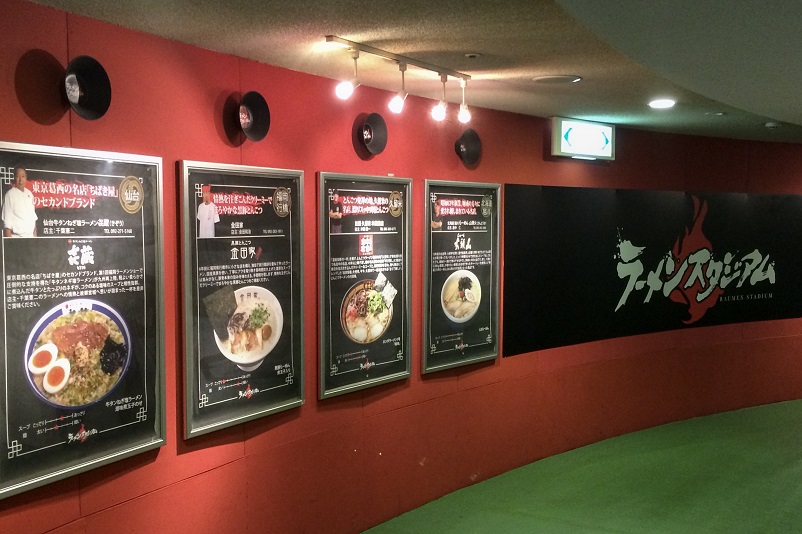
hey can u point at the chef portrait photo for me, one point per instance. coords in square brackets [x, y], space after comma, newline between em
[19, 214]
[207, 213]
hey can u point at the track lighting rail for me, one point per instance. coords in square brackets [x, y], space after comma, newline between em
[396, 57]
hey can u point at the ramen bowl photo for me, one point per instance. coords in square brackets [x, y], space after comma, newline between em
[77, 353]
[460, 296]
[365, 314]
[247, 324]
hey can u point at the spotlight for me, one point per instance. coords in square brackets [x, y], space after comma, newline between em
[439, 111]
[397, 103]
[345, 89]
[464, 113]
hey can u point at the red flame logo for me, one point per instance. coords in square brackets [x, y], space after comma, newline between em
[693, 240]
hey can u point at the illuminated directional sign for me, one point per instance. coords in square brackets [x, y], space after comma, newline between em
[582, 139]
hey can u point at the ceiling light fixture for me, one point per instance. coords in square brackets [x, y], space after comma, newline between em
[397, 103]
[558, 79]
[345, 89]
[464, 115]
[662, 103]
[439, 111]
[403, 62]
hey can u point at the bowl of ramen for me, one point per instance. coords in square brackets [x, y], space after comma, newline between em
[247, 323]
[77, 353]
[367, 309]
[461, 295]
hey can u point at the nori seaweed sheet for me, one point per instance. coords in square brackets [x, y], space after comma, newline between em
[220, 306]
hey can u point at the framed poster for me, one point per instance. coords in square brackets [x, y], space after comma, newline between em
[461, 270]
[82, 361]
[243, 289]
[364, 281]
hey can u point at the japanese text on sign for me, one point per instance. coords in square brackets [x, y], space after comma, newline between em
[240, 203]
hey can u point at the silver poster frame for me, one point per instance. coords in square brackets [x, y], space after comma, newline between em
[493, 351]
[324, 281]
[155, 439]
[193, 427]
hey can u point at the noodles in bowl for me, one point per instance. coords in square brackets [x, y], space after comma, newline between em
[247, 324]
[92, 350]
[461, 295]
[367, 309]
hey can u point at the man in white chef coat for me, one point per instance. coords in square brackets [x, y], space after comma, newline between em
[207, 213]
[19, 215]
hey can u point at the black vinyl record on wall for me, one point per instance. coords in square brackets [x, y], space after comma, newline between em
[254, 116]
[373, 133]
[87, 88]
[469, 147]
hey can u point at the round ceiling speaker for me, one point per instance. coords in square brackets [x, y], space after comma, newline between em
[254, 116]
[469, 147]
[373, 133]
[87, 87]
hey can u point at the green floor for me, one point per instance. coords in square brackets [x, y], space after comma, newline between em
[733, 472]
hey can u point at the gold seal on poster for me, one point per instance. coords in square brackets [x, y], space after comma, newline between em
[487, 206]
[396, 204]
[282, 202]
[131, 194]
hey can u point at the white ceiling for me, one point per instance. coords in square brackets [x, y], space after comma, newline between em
[732, 66]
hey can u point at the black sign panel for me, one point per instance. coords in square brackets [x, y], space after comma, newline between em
[243, 239]
[588, 264]
[364, 281]
[462, 269]
[82, 332]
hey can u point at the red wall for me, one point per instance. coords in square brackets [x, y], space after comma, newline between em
[347, 463]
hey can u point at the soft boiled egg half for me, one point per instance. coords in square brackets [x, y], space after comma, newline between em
[56, 376]
[42, 358]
